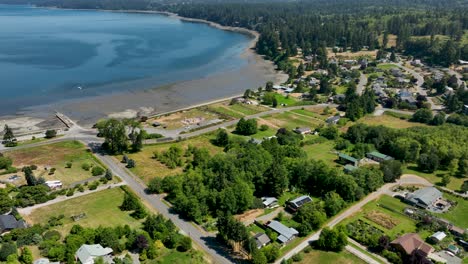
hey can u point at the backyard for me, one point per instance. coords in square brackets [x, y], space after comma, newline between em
[101, 209]
[318, 256]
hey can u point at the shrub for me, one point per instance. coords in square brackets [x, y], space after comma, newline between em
[71, 192]
[33, 167]
[50, 133]
[298, 257]
[68, 165]
[52, 171]
[264, 127]
[96, 171]
[131, 163]
[86, 166]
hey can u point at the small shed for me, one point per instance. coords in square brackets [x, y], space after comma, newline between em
[261, 239]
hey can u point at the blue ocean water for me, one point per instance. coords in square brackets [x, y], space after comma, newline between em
[48, 55]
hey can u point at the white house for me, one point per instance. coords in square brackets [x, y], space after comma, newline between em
[54, 184]
[87, 253]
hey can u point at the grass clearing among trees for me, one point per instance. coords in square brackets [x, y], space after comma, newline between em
[101, 209]
[56, 156]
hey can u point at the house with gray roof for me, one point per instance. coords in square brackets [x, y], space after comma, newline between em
[86, 254]
[270, 202]
[424, 197]
[9, 222]
[285, 234]
[333, 120]
[261, 239]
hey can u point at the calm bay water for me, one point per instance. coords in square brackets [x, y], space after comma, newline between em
[48, 55]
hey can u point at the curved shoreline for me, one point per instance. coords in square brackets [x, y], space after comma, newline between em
[171, 97]
[251, 33]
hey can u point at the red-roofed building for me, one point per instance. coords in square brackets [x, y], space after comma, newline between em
[408, 243]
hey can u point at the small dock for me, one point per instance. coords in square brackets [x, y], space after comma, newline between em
[65, 119]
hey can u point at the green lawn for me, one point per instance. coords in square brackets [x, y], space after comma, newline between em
[458, 215]
[435, 177]
[386, 66]
[101, 209]
[248, 109]
[291, 120]
[388, 121]
[225, 111]
[56, 156]
[308, 113]
[322, 151]
[318, 256]
[287, 100]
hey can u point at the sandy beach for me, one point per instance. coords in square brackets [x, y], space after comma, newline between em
[155, 100]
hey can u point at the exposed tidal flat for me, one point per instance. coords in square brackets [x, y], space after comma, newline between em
[91, 64]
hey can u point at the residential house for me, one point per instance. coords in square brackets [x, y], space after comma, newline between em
[416, 62]
[408, 243]
[303, 130]
[338, 98]
[377, 156]
[86, 254]
[44, 261]
[396, 72]
[261, 239]
[406, 96]
[333, 120]
[424, 197]
[269, 202]
[438, 236]
[457, 231]
[54, 184]
[313, 81]
[346, 159]
[295, 204]
[9, 222]
[285, 234]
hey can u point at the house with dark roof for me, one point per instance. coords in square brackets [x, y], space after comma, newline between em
[285, 234]
[377, 156]
[9, 222]
[303, 130]
[295, 204]
[424, 197]
[261, 239]
[408, 243]
[333, 120]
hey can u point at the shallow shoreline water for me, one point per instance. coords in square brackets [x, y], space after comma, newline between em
[167, 98]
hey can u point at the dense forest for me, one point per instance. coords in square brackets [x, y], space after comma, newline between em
[425, 28]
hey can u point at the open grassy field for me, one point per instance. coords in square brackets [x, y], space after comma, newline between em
[287, 100]
[148, 168]
[388, 121]
[224, 110]
[56, 156]
[248, 109]
[101, 208]
[308, 112]
[291, 120]
[318, 256]
[392, 221]
[386, 66]
[458, 215]
[435, 177]
[322, 151]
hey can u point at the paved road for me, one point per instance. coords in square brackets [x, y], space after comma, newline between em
[419, 85]
[205, 240]
[361, 255]
[406, 179]
[28, 210]
[362, 84]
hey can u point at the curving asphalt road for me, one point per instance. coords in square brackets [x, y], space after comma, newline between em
[406, 179]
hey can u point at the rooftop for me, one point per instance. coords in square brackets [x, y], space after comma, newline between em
[347, 157]
[87, 253]
[410, 242]
[299, 201]
[380, 155]
[285, 233]
[426, 195]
